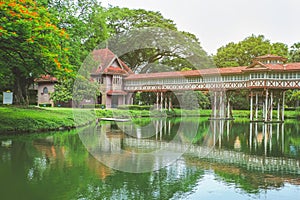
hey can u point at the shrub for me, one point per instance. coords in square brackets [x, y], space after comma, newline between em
[45, 105]
[102, 106]
[133, 107]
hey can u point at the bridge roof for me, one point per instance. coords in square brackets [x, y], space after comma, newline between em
[259, 67]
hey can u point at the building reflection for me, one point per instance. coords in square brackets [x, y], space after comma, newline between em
[262, 138]
[269, 137]
[54, 155]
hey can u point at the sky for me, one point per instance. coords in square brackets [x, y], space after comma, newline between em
[218, 22]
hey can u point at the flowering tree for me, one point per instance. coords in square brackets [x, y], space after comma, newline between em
[30, 45]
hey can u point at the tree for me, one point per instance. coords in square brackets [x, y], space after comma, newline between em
[292, 98]
[294, 54]
[83, 20]
[243, 52]
[30, 45]
[190, 100]
[153, 43]
[203, 100]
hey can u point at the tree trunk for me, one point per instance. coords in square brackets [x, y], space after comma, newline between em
[20, 88]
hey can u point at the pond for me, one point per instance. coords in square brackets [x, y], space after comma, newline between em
[168, 158]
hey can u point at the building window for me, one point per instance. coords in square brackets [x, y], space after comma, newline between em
[45, 90]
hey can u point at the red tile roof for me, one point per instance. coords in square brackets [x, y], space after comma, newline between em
[104, 58]
[114, 70]
[214, 71]
[46, 78]
[116, 92]
[270, 57]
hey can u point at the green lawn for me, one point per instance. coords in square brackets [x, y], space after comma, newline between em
[20, 119]
[16, 119]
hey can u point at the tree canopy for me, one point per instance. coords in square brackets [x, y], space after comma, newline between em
[154, 42]
[31, 44]
[294, 54]
[242, 53]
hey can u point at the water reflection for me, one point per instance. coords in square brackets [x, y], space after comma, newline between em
[58, 162]
[107, 143]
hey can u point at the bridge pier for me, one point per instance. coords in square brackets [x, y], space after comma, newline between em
[221, 108]
[268, 99]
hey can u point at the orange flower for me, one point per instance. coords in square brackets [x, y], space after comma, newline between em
[12, 4]
[57, 63]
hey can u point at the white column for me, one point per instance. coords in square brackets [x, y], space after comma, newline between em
[166, 102]
[278, 110]
[161, 101]
[283, 102]
[270, 137]
[228, 108]
[263, 110]
[265, 137]
[250, 136]
[256, 103]
[227, 126]
[282, 137]
[170, 102]
[169, 129]
[220, 105]
[157, 99]
[251, 106]
[160, 129]
[266, 106]
[271, 107]
[215, 105]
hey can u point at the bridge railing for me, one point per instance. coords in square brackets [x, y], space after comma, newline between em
[232, 85]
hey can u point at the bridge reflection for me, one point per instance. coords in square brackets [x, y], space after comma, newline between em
[260, 147]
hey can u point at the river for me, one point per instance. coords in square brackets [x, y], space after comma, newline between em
[168, 158]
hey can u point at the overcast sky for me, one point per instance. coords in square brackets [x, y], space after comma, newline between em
[218, 22]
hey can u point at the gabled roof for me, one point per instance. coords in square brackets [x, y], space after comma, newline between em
[257, 66]
[109, 63]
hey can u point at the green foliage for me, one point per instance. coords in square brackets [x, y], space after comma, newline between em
[292, 98]
[62, 91]
[45, 105]
[190, 100]
[102, 106]
[84, 89]
[203, 100]
[239, 100]
[294, 54]
[133, 107]
[84, 22]
[242, 53]
[31, 44]
[173, 51]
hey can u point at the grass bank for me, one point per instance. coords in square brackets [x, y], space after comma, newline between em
[18, 119]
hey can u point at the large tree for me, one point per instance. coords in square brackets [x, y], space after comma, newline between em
[83, 20]
[153, 43]
[31, 45]
[242, 53]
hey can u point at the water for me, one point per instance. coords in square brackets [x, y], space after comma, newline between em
[245, 161]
